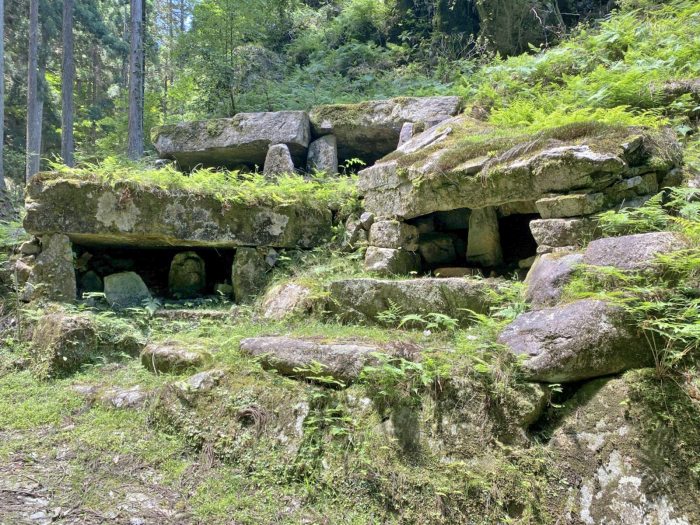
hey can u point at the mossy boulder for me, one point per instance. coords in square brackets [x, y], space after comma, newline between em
[52, 273]
[126, 214]
[243, 139]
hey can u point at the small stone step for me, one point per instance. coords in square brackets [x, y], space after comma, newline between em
[293, 357]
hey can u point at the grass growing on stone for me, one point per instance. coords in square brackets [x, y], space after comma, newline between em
[336, 193]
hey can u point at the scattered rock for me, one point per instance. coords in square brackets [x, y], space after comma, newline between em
[30, 247]
[134, 397]
[355, 234]
[323, 155]
[526, 264]
[546, 279]
[125, 290]
[362, 300]
[558, 233]
[90, 282]
[367, 220]
[286, 300]
[61, 343]
[437, 249]
[224, 289]
[278, 161]
[228, 142]
[250, 273]
[204, 381]
[394, 234]
[171, 358]
[187, 277]
[484, 242]
[632, 252]
[576, 341]
[386, 261]
[293, 357]
[52, 275]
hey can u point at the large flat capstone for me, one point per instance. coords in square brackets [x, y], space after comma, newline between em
[364, 300]
[229, 142]
[94, 213]
[370, 130]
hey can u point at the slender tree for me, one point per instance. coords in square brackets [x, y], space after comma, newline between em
[2, 92]
[67, 85]
[136, 85]
[34, 106]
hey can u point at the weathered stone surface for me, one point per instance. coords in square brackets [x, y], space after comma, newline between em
[415, 182]
[632, 252]
[557, 233]
[151, 217]
[187, 277]
[32, 247]
[341, 361]
[134, 397]
[286, 300]
[570, 205]
[61, 343]
[367, 220]
[228, 142]
[546, 279]
[387, 261]
[361, 300]
[579, 340]
[394, 234]
[406, 133]
[171, 358]
[250, 273]
[323, 155]
[278, 161]
[355, 234]
[456, 271]
[125, 289]
[484, 242]
[90, 282]
[370, 130]
[437, 249]
[616, 445]
[52, 275]
[203, 381]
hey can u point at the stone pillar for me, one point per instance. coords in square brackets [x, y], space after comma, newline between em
[323, 155]
[484, 243]
[250, 272]
[278, 161]
[406, 133]
[52, 275]
[187, 277]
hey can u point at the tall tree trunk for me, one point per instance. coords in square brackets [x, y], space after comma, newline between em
[136, 69]
[34, 108]
[2, 92]
[67, 84]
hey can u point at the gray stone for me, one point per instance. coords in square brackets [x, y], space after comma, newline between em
[367, 220]
[387, 261]
[30, 247]
[286, 300]
[187, 277]
[562, 232]
[394, 234]
[61, 343]
[526, 264]
[250, 274]
[204, 381]
[632, 252]
[323, 155]
[171, 358]
[228, 142]
[570, 205]
[134, 397]
[90, 282]
[362, 300]
[355, 234]
[293, 357]
[370, 130]
[576, 341]
[484, 242]
[406, 133]
[52, 275]
[546, 279]
[278, 161]
[437, 249]
[116, 215]
[126, 289]
[518, 208]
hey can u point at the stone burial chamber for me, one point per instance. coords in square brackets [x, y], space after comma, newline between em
[464, 198]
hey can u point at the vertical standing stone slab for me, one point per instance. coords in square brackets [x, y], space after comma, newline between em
[484, 243]
[52, 276]
[278, 161]
[187, 277]
[323, 155]
[249, 274]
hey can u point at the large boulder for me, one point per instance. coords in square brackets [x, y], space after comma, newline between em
[52, 274]
[546, 279]
[625, 445]
[370, 130]
[560, 233]
[187, 277]
[297, 357]
[633, 252]
[390, 261]
[393, 234]
[125, 290]
[148, 216]
[363, 300]
[453, 171]
[576, 341]
[229, 142]
[287, 300]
